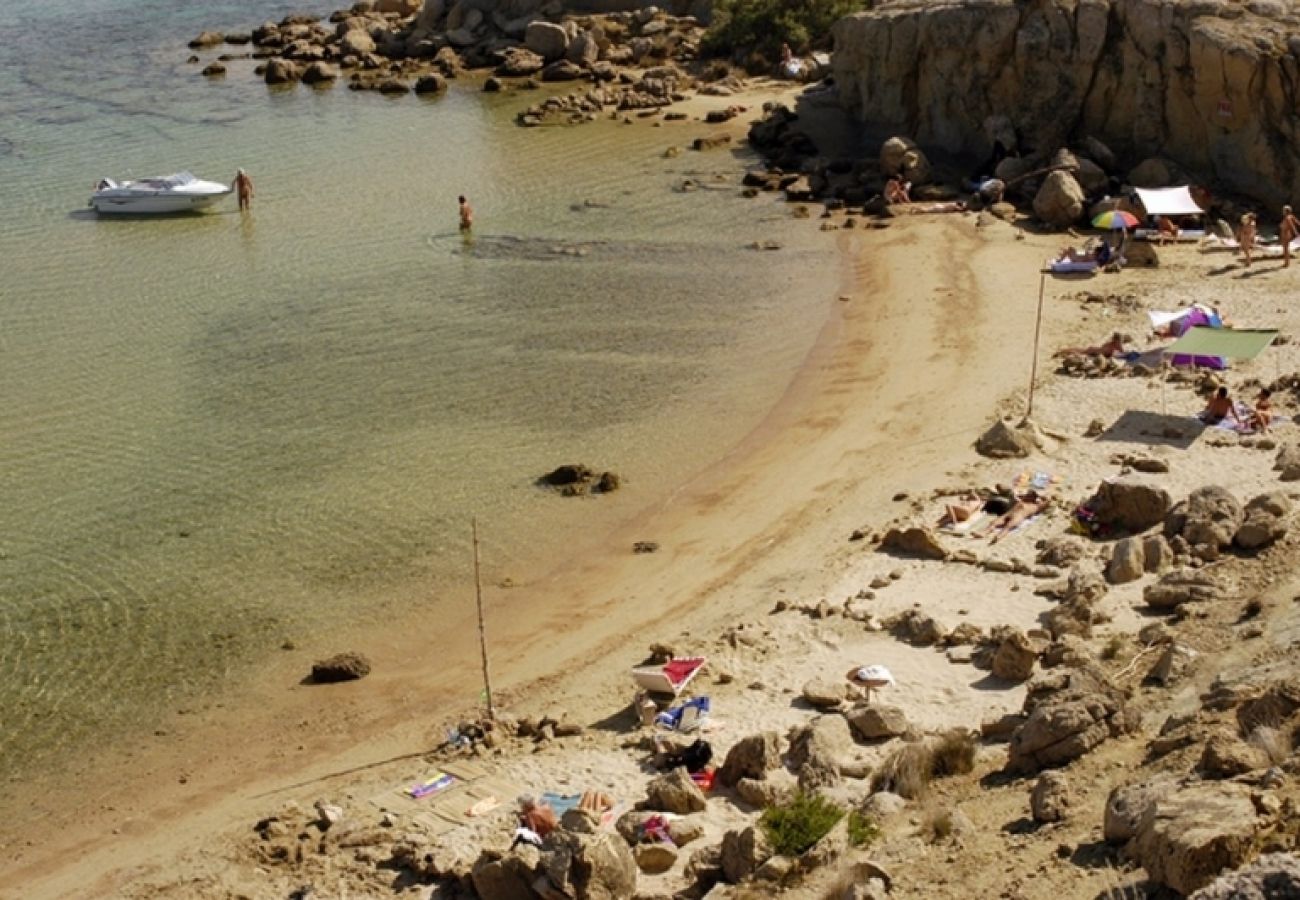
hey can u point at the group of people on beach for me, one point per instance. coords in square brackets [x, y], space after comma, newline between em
[1288, 229]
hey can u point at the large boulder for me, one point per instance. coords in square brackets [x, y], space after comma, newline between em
[281, 71]
[874, 721]
[341, 667]
[1002, 441]
[1014, 659]
[824, 693]
[1051, 798]
[901, 156]
[751, 757]
[583, 49]
[1127, 561]
[675, 792]
[1128, 803]
[819, 750]
[1210, 516]
[547, 40]
[1130, 504]
[914, 541]
[597, 866]
[1186, 838]
[1287, 463]
[506, 876]
[1274, 876]
[1068, 713]
[743, 852]
[1060, 201]
[517, 62]
[356, 42]
[1264, 522]
[320, 73]
[1181, 586]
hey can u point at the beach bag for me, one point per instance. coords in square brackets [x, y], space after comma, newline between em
[695, 757]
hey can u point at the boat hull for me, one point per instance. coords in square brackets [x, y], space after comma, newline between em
[161, 204]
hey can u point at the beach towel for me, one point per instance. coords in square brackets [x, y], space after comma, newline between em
[967, 526]
[686, 717]
[438, 783]
[1070, 266]
[1244, 412]
[1184, 235]
[1039, 482]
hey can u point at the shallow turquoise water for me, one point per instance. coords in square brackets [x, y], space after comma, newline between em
[224, 432]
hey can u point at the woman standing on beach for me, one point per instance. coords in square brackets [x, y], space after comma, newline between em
[1287, 230]
[1246, 235]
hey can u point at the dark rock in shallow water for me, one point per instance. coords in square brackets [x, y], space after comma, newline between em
[343, 667]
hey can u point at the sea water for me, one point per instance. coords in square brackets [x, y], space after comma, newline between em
[220, 433]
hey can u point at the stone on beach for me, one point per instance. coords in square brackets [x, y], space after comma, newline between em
[341, 667]
[1004, 442]
[1264, 521]
[914, 541]
[874, 721]
[1131, 504]
[751, 757]
[1060, 201]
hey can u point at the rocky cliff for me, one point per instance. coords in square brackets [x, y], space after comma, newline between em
[1213, 85]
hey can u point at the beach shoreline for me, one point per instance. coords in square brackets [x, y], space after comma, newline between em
[925, 344]
[713, 531]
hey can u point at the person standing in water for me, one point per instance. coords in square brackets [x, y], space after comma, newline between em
[244, 190]
[466, 214]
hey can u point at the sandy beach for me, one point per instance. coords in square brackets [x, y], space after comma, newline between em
[928, 341]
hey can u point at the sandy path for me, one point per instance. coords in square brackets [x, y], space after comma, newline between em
[900, 383]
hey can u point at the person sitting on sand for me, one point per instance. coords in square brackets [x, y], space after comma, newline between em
[1166, 230]
[897, 191]
[1219, 408]
[1110, 349]
[1262, 415]
[961, 510]
[1025, 508]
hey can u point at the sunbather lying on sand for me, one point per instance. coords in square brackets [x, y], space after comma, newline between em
[1025, 508]
[961, 509]
[1112, 347]
[951, 206]
[537, 816]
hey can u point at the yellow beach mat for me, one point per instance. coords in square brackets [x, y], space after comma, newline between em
[449, 795]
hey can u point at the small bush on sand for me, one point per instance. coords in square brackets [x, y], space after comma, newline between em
[862, 831]
[906, 772]
[795, 826]
[954, 753]
[1113, 647]
[937, 824]
[909, 770]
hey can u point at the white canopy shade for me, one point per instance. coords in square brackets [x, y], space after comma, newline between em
[1174, 201]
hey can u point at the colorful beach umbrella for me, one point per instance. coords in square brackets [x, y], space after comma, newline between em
[1115, 218]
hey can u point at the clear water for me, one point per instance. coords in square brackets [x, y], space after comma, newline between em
[222, 432]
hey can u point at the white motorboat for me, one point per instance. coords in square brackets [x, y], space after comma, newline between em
[177, 193]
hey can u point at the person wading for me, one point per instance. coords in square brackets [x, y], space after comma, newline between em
[244, 190]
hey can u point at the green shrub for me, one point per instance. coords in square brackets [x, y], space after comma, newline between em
[794, 827]
[862, 831]
[743, 27]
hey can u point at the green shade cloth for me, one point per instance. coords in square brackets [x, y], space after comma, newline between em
[1232, 343]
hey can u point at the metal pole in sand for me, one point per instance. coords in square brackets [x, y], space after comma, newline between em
[1038, 327]
[482, 630]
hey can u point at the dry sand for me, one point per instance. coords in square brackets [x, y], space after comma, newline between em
[928, 337]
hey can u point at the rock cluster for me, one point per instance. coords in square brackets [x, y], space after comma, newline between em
[961, 76]
[632, 60]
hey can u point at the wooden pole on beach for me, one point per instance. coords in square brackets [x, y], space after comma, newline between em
[482, 629]
[1038, 328]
